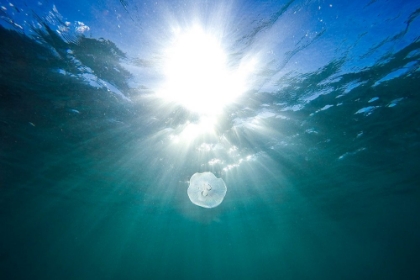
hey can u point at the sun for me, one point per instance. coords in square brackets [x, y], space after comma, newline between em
[197, 74]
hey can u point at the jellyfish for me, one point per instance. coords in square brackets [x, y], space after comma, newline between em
[206, 190]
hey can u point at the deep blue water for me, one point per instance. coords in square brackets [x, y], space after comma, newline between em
[320, 153]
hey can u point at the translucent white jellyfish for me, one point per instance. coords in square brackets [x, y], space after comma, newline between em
[206, 190]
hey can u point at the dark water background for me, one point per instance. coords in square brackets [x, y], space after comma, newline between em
[90, 188]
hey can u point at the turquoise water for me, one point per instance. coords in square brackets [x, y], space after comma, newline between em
[320, 154]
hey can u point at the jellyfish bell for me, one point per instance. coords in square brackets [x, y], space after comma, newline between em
[206, 190]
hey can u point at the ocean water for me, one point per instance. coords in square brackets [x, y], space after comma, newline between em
[320, 151]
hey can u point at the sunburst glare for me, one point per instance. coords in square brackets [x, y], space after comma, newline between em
[197, 75]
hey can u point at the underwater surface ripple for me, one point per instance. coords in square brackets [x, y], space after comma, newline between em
[320, 155]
